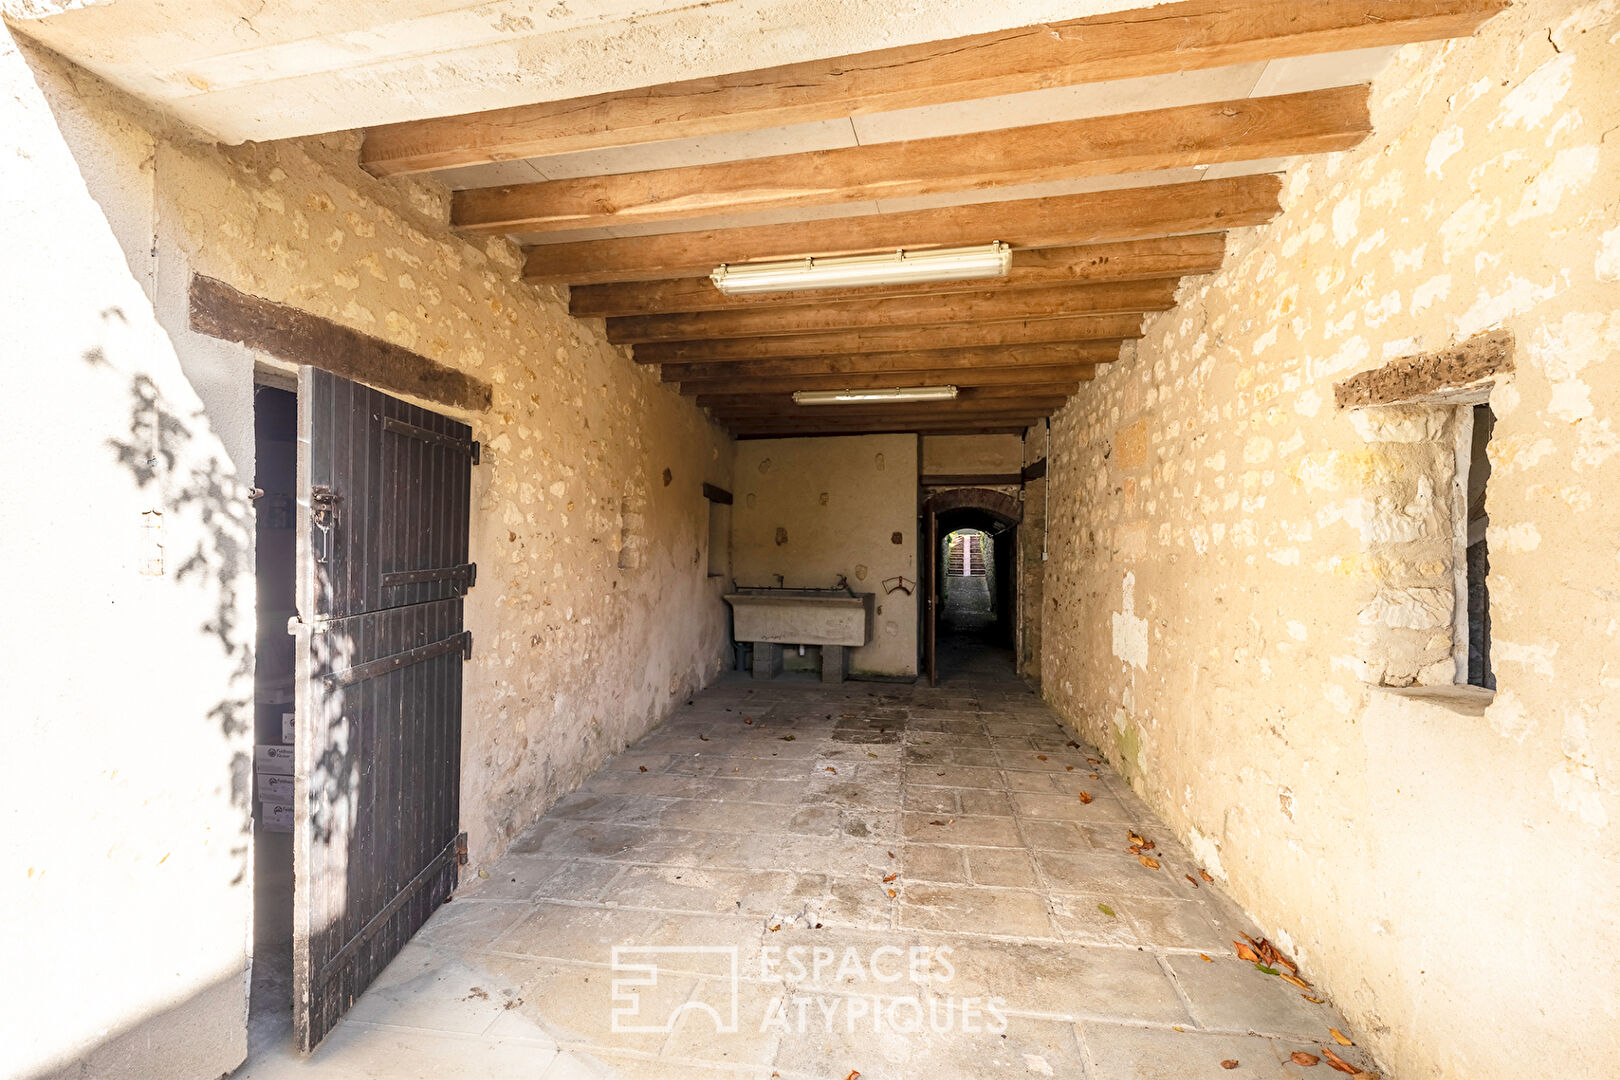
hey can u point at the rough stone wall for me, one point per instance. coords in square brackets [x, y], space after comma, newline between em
[1452, 880]
[1032, 561]
[811, 510]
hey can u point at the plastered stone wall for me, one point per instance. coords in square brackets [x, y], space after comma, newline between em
[811, 510]
[593, 611]
[1451, 879]
[971, 455]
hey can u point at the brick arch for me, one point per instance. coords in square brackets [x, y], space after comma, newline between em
[997, 504]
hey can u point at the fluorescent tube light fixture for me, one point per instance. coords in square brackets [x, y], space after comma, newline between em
[851, 397]
[852, 271]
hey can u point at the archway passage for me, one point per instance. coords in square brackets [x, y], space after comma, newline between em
[973, 615]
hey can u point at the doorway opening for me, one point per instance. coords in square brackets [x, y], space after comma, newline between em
[275, 424]
[973, 561]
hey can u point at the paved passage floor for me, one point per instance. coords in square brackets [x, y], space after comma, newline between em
[808, 882]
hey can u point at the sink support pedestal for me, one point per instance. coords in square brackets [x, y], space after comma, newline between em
[767, 660]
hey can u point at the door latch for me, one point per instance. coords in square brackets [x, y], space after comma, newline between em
[323, 516]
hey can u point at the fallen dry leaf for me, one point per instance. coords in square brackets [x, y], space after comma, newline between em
[643, 768]
[1194, 881]
[1338, 1062]
[1040, 757]
[891, 894]
[1092, 776]
[748, 719]
[1295, 979]
[1094, 761]
[789, 738]
[1338, 1037]
[1068, 768]
[1148, 861]
[1205, 875]
[1229, 1064]
[891, 877]
[936, 821]
[1312, 1000]
[891, 854]
[775, 928]
[832, 770]
[703, 738]
[1074, 744]
[854, 1074]
[1245, 953]
[1300, 1057]
[1205, 959]
[1106, 910]
[1085, 796]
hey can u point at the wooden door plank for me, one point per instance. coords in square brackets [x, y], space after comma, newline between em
[1120, 45]
[899, 339]
[1131, 260]
[1209, 133]
[1134, 213]
[990, 305]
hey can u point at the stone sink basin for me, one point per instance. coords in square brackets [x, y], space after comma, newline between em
[802, 616]
[836, 620]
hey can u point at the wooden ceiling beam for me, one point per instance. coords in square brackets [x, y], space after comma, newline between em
[1000, 409]
[992, 396]
[879, 379]
[1120, 45]
[895, 339]
[743, 434]
[1135, 213]
[1210, 133]
[944, 361]
[1032, 268]
[991, 305]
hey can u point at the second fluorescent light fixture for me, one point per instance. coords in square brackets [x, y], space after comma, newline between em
[853, 271]
[851, 397]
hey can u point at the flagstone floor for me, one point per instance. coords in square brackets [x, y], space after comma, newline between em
[807, 881]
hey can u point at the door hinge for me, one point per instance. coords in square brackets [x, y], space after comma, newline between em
[472, 574]
[466, 644]
[477, 452]
[461, 849]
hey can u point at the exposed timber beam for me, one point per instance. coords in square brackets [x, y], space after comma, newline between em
[743, 384]
[1088, 264]
[990, 305]
[1121, 45]
[953, 427]
[969, 397]
[898, 339]
[942, 361]
[1245, 129]
[1093, 217]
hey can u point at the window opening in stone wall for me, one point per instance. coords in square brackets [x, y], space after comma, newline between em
[1479, 603]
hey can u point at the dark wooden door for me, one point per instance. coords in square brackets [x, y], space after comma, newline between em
[931, 604]
[382, 568]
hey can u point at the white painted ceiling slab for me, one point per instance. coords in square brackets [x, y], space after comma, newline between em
[247, 69]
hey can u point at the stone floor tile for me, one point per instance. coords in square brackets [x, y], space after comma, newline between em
[975, 910]
[1232, 995]
[1000, 867]
[1120, 1052]
[1068, 981]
